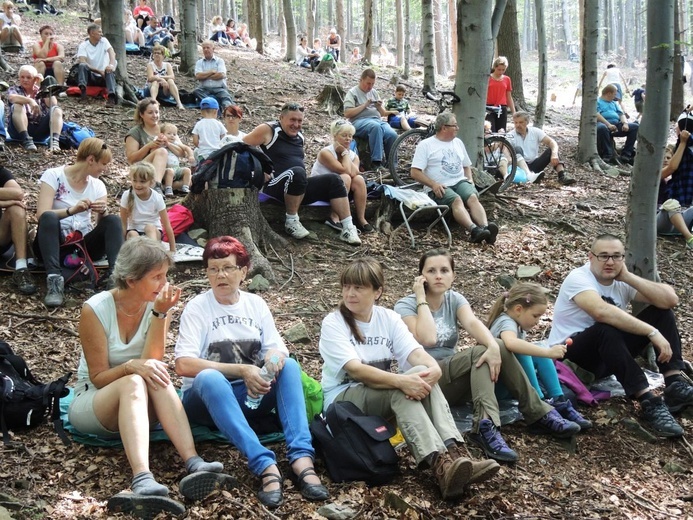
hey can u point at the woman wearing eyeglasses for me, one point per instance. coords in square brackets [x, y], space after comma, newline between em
[233, 114]
[68, 197]
[225, 336]
[340, 159]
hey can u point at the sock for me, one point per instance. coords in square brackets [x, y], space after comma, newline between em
[347, 222]
[56, 138]
[450, 443]
[196, 463]
[672, 379]
[52, 275]
[689, 241]
[291, 218]
[646, 396]
[24, 136]
[144, 484]
[559, 399]
[20, 264]
[185, 187]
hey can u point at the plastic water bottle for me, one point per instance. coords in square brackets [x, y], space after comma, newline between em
[267, 373]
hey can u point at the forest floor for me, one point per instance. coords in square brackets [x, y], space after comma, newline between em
[611, 472]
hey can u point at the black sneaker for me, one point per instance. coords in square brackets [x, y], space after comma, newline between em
[555, 425]
[678, 395]
[492, 228]
[337, 226]
[489, 439]
[565, 179]
[658, 417]
[24, 282]
[567, 411]
[479, 234]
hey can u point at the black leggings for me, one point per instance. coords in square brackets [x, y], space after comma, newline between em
[106, 238]
[498, 121]
[317, 187]
[604, 350]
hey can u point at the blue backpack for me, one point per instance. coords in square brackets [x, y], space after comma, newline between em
[73, 134]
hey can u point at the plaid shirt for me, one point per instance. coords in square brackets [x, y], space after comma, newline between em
[33, 118]
[680, 187]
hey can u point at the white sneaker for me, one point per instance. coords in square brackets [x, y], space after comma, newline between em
[350, 236]
[296, 229]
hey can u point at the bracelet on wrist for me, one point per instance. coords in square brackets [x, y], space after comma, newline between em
[68, 212]
[160, 315]
[420, 304]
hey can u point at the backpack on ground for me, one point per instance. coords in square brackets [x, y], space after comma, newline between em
[354, 446]
[235, 165]
[78, 269]
[72, 78]
[24, 401]
[73, 134]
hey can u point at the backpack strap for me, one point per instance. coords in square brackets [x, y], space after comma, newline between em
[56, 390]
[3, 424]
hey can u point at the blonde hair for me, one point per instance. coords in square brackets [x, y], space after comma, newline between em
[500, 60]
[95, 147]
[217, 20]
[6, 5]
[140, 171]
[159, 49]
[168, 127]
[526, 294]
[340, 126]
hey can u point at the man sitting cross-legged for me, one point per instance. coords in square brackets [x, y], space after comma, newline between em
[442, 165]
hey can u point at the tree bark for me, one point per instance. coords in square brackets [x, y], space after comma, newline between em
[368, 30]
[452, 19]
[399, 35]
[677, 83]
[341, 28]
[429, 50]
[255, 25]
[407, 39]
[567, 29]
[439, 39]
[509, 46]
[290, 30]
[540, 112]
[652, 136]
[236, 212]
[310, 22]
[587, 140]
[474, 56]
[112, 25]
[187, 37]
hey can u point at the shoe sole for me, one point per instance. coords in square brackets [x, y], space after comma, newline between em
[678, 407]
[491, 454]
[201, 484]
[461, 477]
[479, 239]
[661, 433]
[540, 430]
[144, 506]
[484, 474]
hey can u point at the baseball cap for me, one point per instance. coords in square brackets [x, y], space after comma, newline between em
[209, 102]
[685, 120]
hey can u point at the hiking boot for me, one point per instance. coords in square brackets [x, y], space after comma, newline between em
[112, 100]
[565, 179]
[452, 475]
[56, 291]
[24, 282]
[29, 145]
[479, 234]
[658, 417]
[296, 229]
[678, 395]
[490, 440]
[567, 411]
[350, 235]
[481, 470]
[492, 228]
[553, 424]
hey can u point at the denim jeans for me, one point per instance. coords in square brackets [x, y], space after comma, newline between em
[605, 146]
[87, 77]
[3, 133]
[378, 133]
[213, 400]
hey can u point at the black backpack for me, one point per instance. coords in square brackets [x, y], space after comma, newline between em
[354, 446]
[235, 165]
[24, 401]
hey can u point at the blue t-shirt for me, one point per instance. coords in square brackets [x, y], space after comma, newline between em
[609, 110]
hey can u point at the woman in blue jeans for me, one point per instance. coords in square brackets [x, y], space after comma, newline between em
[225, 336]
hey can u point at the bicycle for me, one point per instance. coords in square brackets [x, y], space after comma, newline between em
[497, 149]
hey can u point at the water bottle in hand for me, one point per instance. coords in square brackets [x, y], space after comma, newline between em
[267, 373]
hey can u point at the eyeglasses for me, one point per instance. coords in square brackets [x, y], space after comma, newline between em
[452, 126]
[603, 257]
[290, 107]
[231, 116]
[228, 270]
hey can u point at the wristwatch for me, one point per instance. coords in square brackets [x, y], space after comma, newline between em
[160, 315]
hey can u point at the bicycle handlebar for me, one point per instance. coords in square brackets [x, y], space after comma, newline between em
[454, 97]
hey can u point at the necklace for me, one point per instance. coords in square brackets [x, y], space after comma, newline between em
[119, 307]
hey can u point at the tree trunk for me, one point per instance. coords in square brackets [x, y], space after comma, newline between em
[112, 25]
[368, 12]
[452, 24]
[187, 36]
[290, 30]
[236, 212]
[439, 39]
[310, 22]
[399, 21]
[341, 28]
[540, 112]
[630, 17]
[567, 29]
[652, 136]
[407, 39]
[509, 46]
[474, 56]
[255, 24]
[429, 50]
[677, 83]
[587, 140]
[497, 17]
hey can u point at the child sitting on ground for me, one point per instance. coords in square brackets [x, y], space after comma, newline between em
[208, 131]
[143, 210]
[176, 177]
[516, 312]
[400, 115]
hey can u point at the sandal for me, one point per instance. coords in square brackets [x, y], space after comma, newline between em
[312, 492]
[271, 499]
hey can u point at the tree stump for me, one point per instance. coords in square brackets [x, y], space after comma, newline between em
[236, 212]
[331, 100]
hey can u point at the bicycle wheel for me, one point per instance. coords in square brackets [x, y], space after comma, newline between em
[402, 153]
[500, 160]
